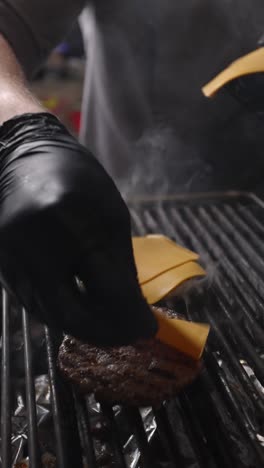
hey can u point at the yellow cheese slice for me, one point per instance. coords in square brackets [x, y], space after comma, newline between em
[187, 337]
[162, 285]
[156, 254]
[250, 63]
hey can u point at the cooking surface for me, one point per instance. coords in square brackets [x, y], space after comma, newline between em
[219, 420]
[228, 234]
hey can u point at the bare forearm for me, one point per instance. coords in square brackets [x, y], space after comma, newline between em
[15, 97]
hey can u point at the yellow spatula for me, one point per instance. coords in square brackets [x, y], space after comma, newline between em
[250, 63]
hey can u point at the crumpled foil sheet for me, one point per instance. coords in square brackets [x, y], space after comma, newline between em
[44, 415]
[19, 438]
[20, 423]
[130, 447]
[132, 454]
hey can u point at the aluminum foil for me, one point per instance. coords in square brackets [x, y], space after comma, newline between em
[132, 454]
[19, 437]
[20, 423]
[130, 447]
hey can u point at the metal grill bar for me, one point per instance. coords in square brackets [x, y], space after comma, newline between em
[237, 220]
[250, 218]
[5, 379]
[167, 438]
[63, 455]
[195, 432]
[228, 237]
[237, 330]
[234, 252]
[257, 331]
[134, 418]
[203, 414]
[34, 455]
[245, 345]
[180, 433]
[62, 461]
[85, 431]
[114, 434]
[204, 242]
[244, 380]
[235, 409]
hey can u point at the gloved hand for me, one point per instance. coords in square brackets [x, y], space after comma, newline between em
[65, 240]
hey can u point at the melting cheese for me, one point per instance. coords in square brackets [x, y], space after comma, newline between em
[156, 254]
[188, 337]
[163, 285]
[162, 266]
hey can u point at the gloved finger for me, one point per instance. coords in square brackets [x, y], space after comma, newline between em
[112, 297]
[101, 315]
[31, 253]
[111, 283]
[47, 290]
[59, 303]
[14, 278]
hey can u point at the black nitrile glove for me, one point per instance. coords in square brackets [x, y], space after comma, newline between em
[65, 240]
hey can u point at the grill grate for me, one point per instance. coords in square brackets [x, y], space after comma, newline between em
[5, 380]
[219, 420]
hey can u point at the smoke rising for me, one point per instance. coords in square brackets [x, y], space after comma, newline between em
[144, 115]
[182, 297]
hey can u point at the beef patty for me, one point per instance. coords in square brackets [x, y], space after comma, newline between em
[145, 373]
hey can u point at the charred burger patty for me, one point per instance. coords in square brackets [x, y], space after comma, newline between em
[145, 373]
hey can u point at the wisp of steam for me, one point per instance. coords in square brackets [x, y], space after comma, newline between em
[144, 115]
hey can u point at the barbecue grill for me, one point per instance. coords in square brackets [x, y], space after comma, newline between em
[218, 421]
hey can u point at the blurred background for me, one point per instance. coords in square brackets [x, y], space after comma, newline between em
[58, 84]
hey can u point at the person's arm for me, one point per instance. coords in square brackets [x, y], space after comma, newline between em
[15, 97]
[34, 27]
[65, 236]
[29, 29]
